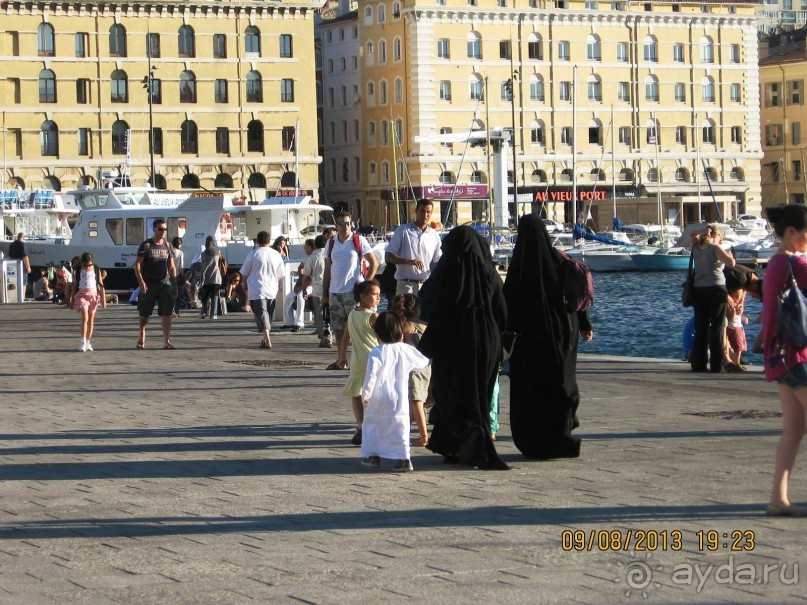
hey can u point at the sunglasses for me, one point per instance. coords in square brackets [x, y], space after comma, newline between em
[161, 229]
[343, 223]
[85, 266]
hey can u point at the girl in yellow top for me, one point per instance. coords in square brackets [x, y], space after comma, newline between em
[360, 331]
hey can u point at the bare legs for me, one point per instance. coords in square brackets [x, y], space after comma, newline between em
[166, 324]
[342, 340]
[793, 405]
[416, 412]
[358, 410]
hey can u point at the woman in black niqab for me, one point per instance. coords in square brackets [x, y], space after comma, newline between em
[543, 365]
[463, 304]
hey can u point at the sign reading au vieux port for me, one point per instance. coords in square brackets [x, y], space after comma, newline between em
[440, 192]
[584, 194]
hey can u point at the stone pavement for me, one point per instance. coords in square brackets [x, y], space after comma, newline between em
[193, 476]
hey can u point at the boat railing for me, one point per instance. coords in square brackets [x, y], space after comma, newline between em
[15, 199]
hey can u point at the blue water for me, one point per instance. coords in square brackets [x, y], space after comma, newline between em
[639, 314]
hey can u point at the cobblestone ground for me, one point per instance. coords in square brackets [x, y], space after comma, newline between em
[221, 473]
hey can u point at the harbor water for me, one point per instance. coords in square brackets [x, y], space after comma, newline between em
[639, 314]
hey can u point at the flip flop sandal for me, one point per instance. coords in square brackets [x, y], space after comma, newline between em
[141, 344]
[169, 347]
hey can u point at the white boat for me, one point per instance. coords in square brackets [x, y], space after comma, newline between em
[37, 214]
[113, 222]
[609, 258]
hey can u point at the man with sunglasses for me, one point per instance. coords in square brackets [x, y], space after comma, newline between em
[343, 269]
[156, 273]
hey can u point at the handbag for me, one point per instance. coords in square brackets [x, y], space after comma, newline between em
[793, 310]
[688, 295]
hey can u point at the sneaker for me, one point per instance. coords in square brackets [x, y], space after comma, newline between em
[89, 346]
[83, 347]
[356, 439]
[403, 466]
[296, 329]
[214, 317]
[372, 461]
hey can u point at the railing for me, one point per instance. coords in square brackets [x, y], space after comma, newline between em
[16, 199]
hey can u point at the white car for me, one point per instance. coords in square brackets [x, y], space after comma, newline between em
[753, 222]
[553, 226]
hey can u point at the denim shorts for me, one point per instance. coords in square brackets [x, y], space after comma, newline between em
[795, 378]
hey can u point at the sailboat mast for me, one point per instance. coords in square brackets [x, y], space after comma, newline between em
[394, 137]
[574, 145]
[658, 175]
[613, 163]
[491, 220]
[297, 158]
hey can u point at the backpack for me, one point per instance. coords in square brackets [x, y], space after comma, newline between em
[577, 283]
[357, 244]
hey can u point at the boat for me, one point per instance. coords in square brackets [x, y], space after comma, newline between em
[663, 259]
[603, 253]
[112, 223]
[37, 214]
[756, 254]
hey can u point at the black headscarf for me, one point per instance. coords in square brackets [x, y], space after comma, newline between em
[463, 303]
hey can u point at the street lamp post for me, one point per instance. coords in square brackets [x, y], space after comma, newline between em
[512, 83]
[148, 85]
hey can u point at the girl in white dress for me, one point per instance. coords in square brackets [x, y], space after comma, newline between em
[385, 395]
[88, 293]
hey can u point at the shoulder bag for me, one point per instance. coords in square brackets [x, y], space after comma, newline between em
[793, 310]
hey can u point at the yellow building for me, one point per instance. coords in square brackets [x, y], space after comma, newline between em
[637, 102]
[783, 74]
[231, 79]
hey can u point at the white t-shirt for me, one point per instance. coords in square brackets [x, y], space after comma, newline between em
[410, 242]
[346, 263]
[263, 269]
[314, 267]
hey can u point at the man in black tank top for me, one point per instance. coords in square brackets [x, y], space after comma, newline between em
[156, 274]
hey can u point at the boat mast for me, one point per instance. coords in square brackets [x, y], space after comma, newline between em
[491, 219]
[395, 196]
[574, 145]
[657, 130]
[613, 163]
[296, 158]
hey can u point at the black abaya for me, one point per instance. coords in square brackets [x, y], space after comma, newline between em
[543, 366]
[463, 303]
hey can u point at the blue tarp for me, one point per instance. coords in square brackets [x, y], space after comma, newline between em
[580, 233]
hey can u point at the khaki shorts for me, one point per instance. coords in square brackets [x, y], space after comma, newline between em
[341, 305]
[419, 384]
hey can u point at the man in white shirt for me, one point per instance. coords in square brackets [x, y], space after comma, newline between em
[313, 274]
[262, 271]
[414, 249]
[344, 254]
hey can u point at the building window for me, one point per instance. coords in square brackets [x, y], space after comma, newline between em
[446, 178]
[474, 46]
[593, 51]
[157, 135]
[156, 91]
[506, 92]
[45, 40]
[537, 89]
[795, 129]
[594, 133]
[187, 42]
[622, 52]
[287, 90]
[772, 92]
[287, 138]
[397, 49]
[382, 51]
[117, 41]
[476, 89]
[650, 49]
[708, 90]
[396, 10]
[623, 92]
[505, 49]
[286, 46]
[221, 95]
[566, 136]
[447, 144]
[773, 135]
[189, 134]
[707, 50]
[736, 135]
[651, 134]
[47, 86]
[682, 175]
[445, 90]
[444, 48]
[83, 141]
[678, 52]
[120, 134]
[254, 87]
[222, 139]
[651, 89]
[680, 92]
[382, 92]
[255, 136]
[49, 139]
[681, 135]
[119, 85]
[535, 49]
[383, 129]
[624, 136]
[187, 87]
[153, 46]
[398, 90]
[537, 134]
[795, 92]
[82, 44]
[734, 53]
[82, 91]
[563, 50]
[709, 133]
[594, 87]
[565, 91]
[252, 41]
[734, 93]
[219, 46]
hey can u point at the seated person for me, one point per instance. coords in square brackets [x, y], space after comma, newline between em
[236, 295]
[64, 280]
[42, 290]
